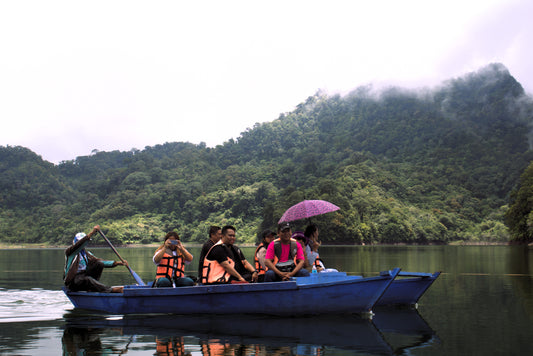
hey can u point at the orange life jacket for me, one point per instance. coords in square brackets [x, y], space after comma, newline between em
[260, 269]
[169, 347]
[213, 272]
[215, 348]
[316, 262]
[170, 266]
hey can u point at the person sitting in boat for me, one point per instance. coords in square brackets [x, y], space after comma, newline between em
[215, 233]
[317, 264]
[311, 250]
[83, 269]
[284, 257]
[170, 259]
[259, 257]
[304, 242]
[225, 262]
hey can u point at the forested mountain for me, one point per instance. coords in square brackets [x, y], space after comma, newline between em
[427, 166]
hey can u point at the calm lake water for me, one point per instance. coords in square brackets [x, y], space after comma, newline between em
[482, 304]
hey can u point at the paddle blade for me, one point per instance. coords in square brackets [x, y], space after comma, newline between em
[137, 278]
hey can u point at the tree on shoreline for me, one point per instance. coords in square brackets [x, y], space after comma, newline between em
[519, 217]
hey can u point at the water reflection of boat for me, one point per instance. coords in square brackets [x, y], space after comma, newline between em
[352, 331]
[404, 328]
[349, 332]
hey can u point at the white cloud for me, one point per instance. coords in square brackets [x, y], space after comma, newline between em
[126, 74]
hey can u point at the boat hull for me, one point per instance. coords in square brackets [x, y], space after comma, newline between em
[407, 288]
[316, 294]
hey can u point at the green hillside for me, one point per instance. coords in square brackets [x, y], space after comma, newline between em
[429, 166]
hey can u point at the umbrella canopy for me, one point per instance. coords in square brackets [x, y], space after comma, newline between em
[306, 209]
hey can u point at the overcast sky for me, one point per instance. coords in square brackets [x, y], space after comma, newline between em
[115, 75]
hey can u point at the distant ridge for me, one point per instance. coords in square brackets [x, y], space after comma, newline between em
[405, 166]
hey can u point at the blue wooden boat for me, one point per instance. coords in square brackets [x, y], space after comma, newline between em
[407, 288]
[318, 294]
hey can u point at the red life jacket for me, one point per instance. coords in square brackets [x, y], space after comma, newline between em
[213, 272]
[170, 266]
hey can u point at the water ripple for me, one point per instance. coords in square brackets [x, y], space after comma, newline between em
[31, 305]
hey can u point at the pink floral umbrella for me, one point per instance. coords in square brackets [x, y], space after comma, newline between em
[306, 209]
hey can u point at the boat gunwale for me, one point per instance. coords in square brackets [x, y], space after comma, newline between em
[295, 284]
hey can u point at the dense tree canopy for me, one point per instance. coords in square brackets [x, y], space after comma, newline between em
[519, 217]
[431, 166]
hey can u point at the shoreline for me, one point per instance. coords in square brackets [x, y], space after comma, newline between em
[5, 246]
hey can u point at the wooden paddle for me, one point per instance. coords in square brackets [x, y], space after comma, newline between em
[135, 275]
